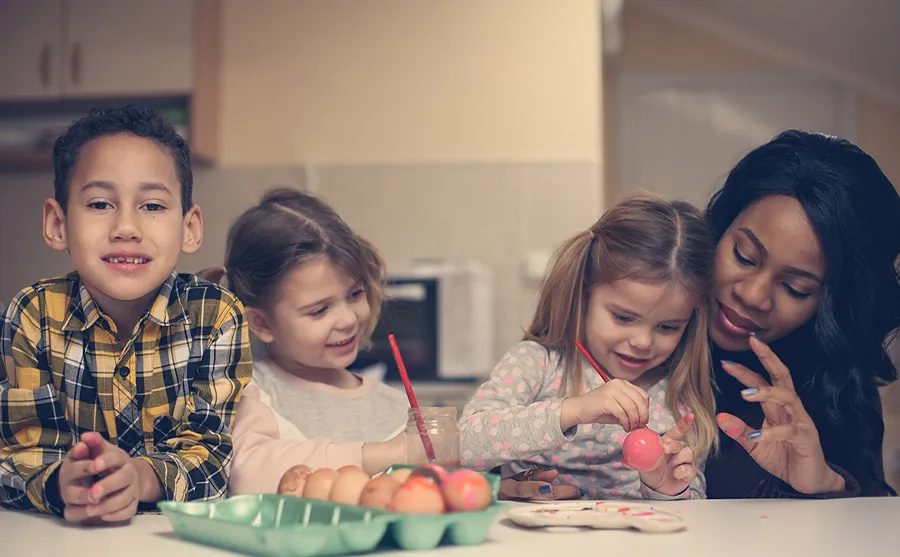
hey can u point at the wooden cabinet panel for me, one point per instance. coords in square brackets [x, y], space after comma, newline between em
[30, 48]
[128, 47]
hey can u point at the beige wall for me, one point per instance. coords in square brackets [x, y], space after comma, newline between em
[879, 134]
[345, 81]
[657, 44]
[463, 129]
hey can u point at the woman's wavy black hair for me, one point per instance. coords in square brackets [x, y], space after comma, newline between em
[855, 211]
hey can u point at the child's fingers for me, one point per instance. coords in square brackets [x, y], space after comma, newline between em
[643, 405]
[684, 456]
[79, 452]
[119, 501]
[630, 408]
[75, 494]
[618, 413]
[76, 470]
[121, 478]
[685, 473]
[110, 460]
[672, 447]
[681, 429]
[75, 513]
[122, 515]
[95, 442]
[639, 395]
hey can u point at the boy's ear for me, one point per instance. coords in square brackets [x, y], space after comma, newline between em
[259, 322]
[55, 226]
[193, 230]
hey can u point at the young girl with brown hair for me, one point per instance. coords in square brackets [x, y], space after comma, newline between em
[312, 289]
[633, 290]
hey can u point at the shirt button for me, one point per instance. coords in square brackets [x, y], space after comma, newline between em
[124, 371]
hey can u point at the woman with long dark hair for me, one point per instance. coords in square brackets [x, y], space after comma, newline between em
[806, 298]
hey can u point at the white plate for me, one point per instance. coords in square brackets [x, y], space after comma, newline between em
[598, 515]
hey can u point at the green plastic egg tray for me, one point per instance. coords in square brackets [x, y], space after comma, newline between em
[285, 526]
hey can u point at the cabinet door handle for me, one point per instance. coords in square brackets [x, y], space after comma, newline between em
[44, 66]
[75, 64]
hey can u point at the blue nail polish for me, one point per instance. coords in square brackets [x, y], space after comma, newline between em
[728, 362]
[583, 492]
[546, 489]
[754, 435]
[750, 392]
[754, 335]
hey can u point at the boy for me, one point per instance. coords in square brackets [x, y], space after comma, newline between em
[119, 380]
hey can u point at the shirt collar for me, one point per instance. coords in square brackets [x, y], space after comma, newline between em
[168, 308]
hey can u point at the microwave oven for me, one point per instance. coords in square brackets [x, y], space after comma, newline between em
[441, 314]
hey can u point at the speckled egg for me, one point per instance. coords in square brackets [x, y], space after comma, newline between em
[293, 480]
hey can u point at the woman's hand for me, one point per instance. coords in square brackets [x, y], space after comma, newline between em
[787, 445]
[534, 485]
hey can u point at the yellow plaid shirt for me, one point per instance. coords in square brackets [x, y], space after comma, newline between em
[169, 397]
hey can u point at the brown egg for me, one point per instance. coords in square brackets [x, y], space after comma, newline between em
[293, 480]
[401, 474]
[319, 483]
[343, 469]
[419, 496]
[348, 486]
[378, 492]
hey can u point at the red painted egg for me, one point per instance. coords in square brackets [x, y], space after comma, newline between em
[467, 490]
[642, 450]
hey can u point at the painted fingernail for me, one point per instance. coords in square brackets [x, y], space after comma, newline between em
[754, 335]
[728, 362]
[583, 492]
[754, 435]
[750, 392]
[546, 489]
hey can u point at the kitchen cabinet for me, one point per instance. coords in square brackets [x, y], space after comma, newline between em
[62, 57]
[91, 48]
[30, 46]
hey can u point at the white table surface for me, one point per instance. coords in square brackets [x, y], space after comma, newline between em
[848, 527]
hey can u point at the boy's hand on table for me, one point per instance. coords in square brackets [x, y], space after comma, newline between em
[75, 477]
[123, 483]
